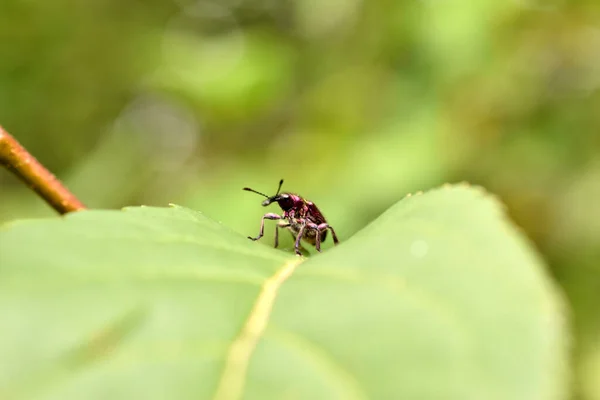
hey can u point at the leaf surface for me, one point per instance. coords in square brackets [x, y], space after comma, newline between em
[439, 298]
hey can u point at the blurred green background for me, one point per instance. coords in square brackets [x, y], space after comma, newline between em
[355, 103]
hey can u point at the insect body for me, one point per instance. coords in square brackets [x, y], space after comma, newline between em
[300, 216]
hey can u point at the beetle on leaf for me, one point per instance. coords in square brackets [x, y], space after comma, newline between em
[300, 216]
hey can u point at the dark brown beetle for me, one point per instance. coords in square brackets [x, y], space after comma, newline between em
[300, 216]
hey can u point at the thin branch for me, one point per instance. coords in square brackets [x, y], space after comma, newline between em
[18, 160]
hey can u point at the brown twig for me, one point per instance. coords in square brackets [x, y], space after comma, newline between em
[18, 160]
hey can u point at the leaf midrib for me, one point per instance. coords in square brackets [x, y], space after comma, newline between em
[233, 378]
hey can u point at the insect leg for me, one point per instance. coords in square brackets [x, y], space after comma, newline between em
[318, 241]
[327, 226]
[277, 232]
[318, 229]
[262, 224]
[297, 244]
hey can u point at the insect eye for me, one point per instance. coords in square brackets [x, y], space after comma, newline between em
[285, 202]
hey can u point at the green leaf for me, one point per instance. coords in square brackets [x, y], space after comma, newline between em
[589, 370]
[439, 298]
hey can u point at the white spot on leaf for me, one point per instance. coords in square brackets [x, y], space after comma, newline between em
[419, 248]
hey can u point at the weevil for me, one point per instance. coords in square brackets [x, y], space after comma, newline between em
[300, 216]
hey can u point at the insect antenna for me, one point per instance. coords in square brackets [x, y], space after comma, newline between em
[254, 191]
[279, 188]
[262, 194]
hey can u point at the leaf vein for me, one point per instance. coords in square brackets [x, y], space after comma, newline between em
[325, 362]
[233, 378]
